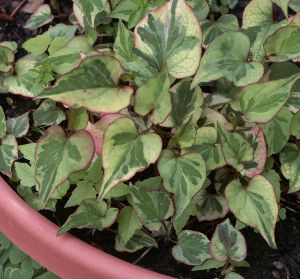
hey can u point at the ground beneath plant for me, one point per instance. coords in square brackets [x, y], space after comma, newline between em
[266, 263]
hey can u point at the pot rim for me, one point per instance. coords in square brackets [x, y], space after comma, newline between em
[66, 255]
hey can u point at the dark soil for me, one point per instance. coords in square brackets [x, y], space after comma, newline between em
[266, 263]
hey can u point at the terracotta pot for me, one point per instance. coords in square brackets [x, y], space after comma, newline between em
[66, 256]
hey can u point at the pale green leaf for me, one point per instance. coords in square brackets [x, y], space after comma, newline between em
[277, 131]
[254, 205]
[95, 79]
[28, 151]
[295, 125]
[262, 101]
[126, 152]
[8, 153]
[25, 173]
[57, 156]
[290, 166]
[120, 190]
[170, 36]
[128, 224]
[227, 56]
[151, 207]
[77, 119]
[40, 17]
[233, 275]
[283, 4]
[153, 96]
[192, 248]
[18, 126]
[92, 214]
[38, 45]
[183, 176]
[208, 264]
[2, 123]
[228, 244]
[6, 58]
[284, 44]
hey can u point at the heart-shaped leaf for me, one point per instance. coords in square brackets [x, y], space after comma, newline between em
[125, 152]
[228, 244]
[183, 176]
[192, 248]
[57, 156]
[290, 162]
[18, 126]
[96, 78]
[40, 17]
[227, 56]
[8, 153]
[170, 37]
[256, 205]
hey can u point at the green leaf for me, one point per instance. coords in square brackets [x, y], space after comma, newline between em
[83, 191]
[170, 36]
[118, 191]
[186, 104]
[150, 184]
[228, 244]
[208, 264]
[90, 9]
[6, 58]
[153, 96]
[275, 180]
[262, 101]
[212, 30]
[18, 126]
[48, 114]
[256, 205]
[277, 131]
[283, 4]
[192, 248]
[78, 119]
[210, 206]
[126, 152]
[257, 13]
[284, 44]
[295, 125]
[233, 275]
[290, 166]
[8, 153]
[128, 224]
[137, 242]
[206, 144]
[236, 150]
[2, 124]
[181, 221]
[92, 214]
[25, 173]
[40, 17]
[124, 10]
[57, 156]
[38, 45]
[28, 150]
[183, 176]
[227, 57]
[151, 207]
[96, 78]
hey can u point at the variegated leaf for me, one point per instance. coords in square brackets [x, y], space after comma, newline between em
[6, 58]
[2, 124]
[18, 126]
[40, 17]
[8, 153]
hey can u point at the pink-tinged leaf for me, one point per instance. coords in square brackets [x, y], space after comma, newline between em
[260, 153]
[97, 130]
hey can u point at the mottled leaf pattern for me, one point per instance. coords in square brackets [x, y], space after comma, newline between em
[8, 153]
[40, 17]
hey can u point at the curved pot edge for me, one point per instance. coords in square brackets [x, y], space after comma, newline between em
[66, 256]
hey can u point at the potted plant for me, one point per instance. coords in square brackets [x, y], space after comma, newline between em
[142, 120]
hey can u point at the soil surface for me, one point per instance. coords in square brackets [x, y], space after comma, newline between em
[266, 263]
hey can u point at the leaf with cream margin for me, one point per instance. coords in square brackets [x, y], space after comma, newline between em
[257, 13]
[290, 166]
[260, 153]
[170, 36]
[254, 205]
[228, 244]
[2, 123]
[262, 101]
[18, 126]
[126, 152]
[153, 97]
[40, 17]
[192, 248]
[183, 176]
[97, 129]
[227, 56]
[57, 156]
[278, 130]
[186, 104]
[93, 85]
[210, 206]
[284, 44]
[237, 150]
[6, 58]
[91, 214]
[8, 154]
